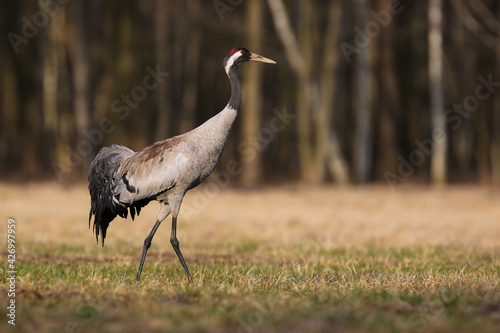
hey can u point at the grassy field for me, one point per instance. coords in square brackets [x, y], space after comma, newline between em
[290, 259]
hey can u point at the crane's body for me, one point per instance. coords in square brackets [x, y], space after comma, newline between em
[121, 180]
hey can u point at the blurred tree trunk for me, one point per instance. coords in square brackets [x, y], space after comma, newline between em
[65, 130]
[9, 108]
[415, 95]
[480, 118]
[481, 24]
[106, 81]
[10, 101]
[438, 117]
[81, 79]
[328, 152]
[308, 98]
[193, 51]
[299, 66]
[462, 136]
[52, 54]
[305, 98]
[363, 101]
[482, 146]
[163, 111]
[252, 101]
[389, 103]
[495, 147]
[30, 140]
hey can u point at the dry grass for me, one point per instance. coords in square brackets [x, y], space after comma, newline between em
[280, 259]
[337, 217]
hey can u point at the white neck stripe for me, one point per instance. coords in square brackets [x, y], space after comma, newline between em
[231, 60]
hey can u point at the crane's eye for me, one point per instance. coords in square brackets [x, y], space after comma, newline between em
[242, 51]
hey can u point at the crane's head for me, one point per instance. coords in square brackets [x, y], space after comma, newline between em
[239, 55]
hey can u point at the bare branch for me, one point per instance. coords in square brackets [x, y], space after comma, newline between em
[473, 25]
[287, 37]
[486, 15]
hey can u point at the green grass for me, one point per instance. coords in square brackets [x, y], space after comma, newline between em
[250, 288]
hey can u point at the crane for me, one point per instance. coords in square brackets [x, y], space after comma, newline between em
[121, 180]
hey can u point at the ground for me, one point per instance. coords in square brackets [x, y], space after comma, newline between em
[287, 259]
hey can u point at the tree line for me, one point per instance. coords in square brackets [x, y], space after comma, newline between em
[364, 91]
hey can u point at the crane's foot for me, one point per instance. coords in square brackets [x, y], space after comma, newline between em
[190, 278]
[139, 273]
[175, 245]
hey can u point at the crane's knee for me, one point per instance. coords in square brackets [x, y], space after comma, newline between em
[174, 242]
[147, 243]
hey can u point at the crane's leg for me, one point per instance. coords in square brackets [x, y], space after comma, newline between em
[162, 214]
[175, 245]
[147, 244]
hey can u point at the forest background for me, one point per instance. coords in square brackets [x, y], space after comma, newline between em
[364, 91]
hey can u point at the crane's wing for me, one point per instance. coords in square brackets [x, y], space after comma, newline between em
[151, 171]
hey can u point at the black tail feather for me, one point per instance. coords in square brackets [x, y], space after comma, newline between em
[101, 173]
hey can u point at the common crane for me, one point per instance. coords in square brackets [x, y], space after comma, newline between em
[121, 179]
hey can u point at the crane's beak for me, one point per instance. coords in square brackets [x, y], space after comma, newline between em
[256, 57]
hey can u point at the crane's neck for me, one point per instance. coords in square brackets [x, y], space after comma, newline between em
[215, 131]
[213, 134]
[235, 100]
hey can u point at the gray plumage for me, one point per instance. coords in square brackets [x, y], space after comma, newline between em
[121, 180]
